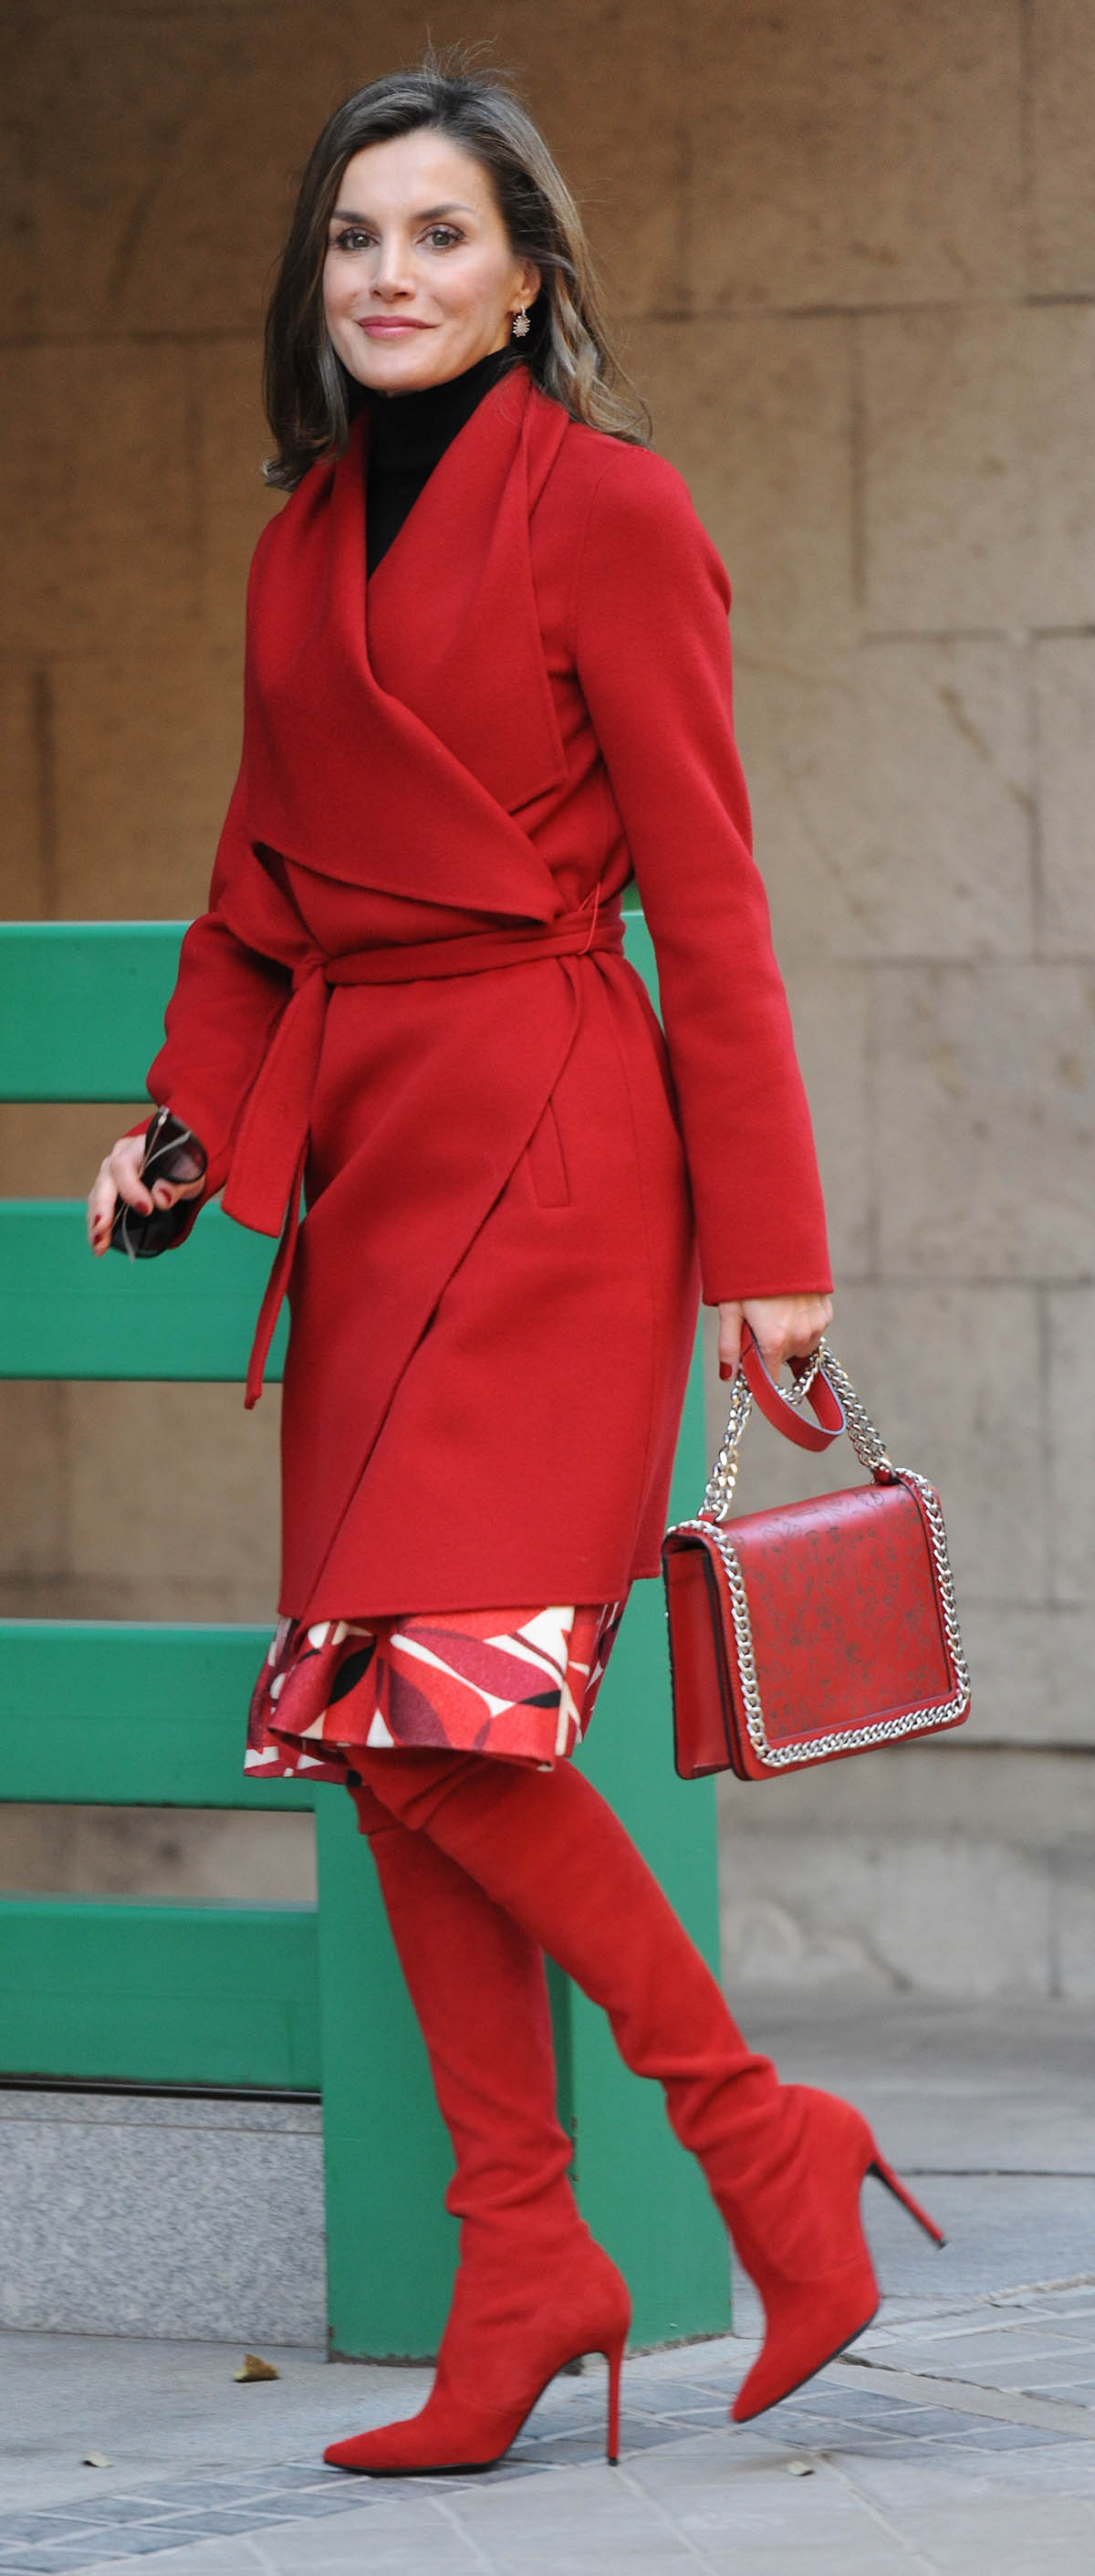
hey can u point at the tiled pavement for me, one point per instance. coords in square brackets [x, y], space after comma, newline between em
[960, 2436]
[904, 2454]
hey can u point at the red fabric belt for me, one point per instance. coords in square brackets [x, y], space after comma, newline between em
[575, 936]
[267, 1174]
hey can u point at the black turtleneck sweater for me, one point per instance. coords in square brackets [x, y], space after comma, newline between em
[408, 435]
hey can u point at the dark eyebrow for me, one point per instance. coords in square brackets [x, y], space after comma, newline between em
[429, 214]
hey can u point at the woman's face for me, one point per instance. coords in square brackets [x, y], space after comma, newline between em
[419, 279]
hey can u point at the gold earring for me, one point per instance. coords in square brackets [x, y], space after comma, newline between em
[521, 324]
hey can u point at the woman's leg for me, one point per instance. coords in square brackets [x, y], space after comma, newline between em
[477, 1984]
[784, 2163]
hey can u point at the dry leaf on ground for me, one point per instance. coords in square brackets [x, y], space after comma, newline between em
[253, 2368]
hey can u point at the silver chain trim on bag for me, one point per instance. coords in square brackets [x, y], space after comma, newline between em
[871, 1453]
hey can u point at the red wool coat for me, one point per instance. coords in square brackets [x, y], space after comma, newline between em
[408, 991]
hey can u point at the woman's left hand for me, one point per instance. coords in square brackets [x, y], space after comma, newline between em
[784, 1328]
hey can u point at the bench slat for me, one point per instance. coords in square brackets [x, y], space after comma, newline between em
[189, 1315]
[160, 1994]
[81, 1006]
[116, 1713]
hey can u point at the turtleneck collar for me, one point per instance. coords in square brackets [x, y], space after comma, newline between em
[408, 433]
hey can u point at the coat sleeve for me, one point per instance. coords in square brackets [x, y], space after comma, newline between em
[226, 1004]
[232, 985]
[652, 649]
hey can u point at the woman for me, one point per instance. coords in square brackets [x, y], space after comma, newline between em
[487, 683]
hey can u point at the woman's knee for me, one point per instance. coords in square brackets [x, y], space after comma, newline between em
[407, 1784]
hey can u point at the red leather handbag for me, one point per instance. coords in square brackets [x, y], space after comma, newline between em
[819, 1629]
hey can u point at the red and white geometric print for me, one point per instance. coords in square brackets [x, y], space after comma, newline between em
[518, 1684]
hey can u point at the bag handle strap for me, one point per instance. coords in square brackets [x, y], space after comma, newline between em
[829, 1390]
[781, 1410]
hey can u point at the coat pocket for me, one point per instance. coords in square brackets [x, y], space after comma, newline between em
[546, 1166]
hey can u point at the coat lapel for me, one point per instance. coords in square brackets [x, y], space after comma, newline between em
[386, 741]
[452, 604]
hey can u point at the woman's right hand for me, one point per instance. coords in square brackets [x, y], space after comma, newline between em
[119, 1177]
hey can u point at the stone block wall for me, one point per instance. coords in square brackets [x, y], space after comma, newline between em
[852, 247]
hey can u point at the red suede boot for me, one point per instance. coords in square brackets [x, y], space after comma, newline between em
[783, 2162]
[532, 2289]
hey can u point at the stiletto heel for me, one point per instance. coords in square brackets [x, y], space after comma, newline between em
[614, 2359]
[893, 2182]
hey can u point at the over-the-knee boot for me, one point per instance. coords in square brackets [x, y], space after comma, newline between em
[784, 2162]
[532, 2289]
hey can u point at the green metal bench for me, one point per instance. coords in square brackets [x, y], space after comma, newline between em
[281, 1996]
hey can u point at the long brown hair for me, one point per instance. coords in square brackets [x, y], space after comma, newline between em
[307, 389]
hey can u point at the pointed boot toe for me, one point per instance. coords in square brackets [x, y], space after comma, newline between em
[443, 2438]
[812, 2264]
[498, 2354]
[806, 2328]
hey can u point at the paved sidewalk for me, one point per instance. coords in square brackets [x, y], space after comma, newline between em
[959, 2440]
